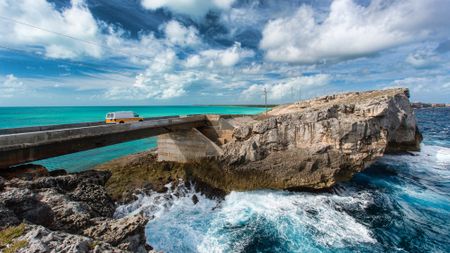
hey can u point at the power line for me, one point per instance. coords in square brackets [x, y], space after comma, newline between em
[74, 63]
[50, 31]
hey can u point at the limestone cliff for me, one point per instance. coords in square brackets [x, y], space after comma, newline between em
[315, 143]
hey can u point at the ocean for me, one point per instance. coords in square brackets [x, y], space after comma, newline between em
[399, 204]
[12, 117]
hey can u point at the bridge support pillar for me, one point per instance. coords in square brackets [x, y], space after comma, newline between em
[186, 146]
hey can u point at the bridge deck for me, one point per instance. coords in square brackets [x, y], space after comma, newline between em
[28, 144]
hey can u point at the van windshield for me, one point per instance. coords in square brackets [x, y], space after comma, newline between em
[136, 115]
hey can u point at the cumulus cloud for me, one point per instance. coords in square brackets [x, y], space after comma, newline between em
[159, 81]
[193, 8]
[11, 86]
[283, 88]
[219, 57]
[351, 30]
[75, 21]
[178, 34]
[427, 88]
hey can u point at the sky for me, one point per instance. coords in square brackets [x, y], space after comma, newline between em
[181, 52]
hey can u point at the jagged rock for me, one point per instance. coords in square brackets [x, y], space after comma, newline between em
[57, 209]
[96, 197]
[7, 217]
[39, 239]
[64, 182]
[125, 233]
[66, 202]
[315, 143]
[25, 204]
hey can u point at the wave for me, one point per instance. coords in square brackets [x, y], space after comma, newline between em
[401, 203]
[282, 221]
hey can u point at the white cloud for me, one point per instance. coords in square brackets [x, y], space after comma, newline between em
[75, 21]
[159, 81]
[11, 87]
[284, 88]
[211, 58]
[193, 8]
[351, 30]
[424, 87]
[423, 58]
[177, 34]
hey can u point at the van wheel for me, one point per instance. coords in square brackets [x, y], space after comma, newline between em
[140, 120]
[121, 122]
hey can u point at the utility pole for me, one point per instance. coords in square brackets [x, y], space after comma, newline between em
[292, 94]
[265, 99]
[299, 93]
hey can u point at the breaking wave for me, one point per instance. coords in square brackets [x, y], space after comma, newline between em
[400, 204]
[276, 220]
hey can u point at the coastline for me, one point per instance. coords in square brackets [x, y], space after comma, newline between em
[124, 183]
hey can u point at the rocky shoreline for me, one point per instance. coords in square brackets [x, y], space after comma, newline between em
[309, 145]
[57, 212]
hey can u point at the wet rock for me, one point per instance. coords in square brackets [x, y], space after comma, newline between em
[194, 199]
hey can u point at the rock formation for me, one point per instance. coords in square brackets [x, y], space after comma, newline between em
[66, 213]
[317, 143]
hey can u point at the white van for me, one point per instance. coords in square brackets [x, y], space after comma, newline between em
[122, 117]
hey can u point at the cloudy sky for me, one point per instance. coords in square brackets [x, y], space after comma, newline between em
[148, 52]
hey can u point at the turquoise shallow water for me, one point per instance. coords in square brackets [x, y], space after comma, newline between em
[12, 117]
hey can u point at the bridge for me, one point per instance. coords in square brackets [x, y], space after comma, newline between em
[27, 144]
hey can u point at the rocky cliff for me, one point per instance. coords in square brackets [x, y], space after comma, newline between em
[59, 212]
[316, 143]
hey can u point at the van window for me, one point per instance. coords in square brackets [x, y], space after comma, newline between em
[136, 115]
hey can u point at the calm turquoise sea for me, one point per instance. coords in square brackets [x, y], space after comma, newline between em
[12, 117]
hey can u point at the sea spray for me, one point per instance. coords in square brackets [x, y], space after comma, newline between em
[379, 210]
[276, 220]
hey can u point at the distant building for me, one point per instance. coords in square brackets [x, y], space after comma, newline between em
[428, 105]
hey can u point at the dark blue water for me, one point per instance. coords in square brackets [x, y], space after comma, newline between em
[12, 117]
[400, 204]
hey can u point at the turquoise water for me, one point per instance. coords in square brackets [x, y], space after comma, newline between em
[12, 117]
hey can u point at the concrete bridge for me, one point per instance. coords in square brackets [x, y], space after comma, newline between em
[179, 138]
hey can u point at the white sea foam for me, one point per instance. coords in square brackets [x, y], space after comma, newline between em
[434, 160]
[443, 156]
[300, 221]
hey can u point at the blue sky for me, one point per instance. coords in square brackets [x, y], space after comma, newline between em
[149, 52]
